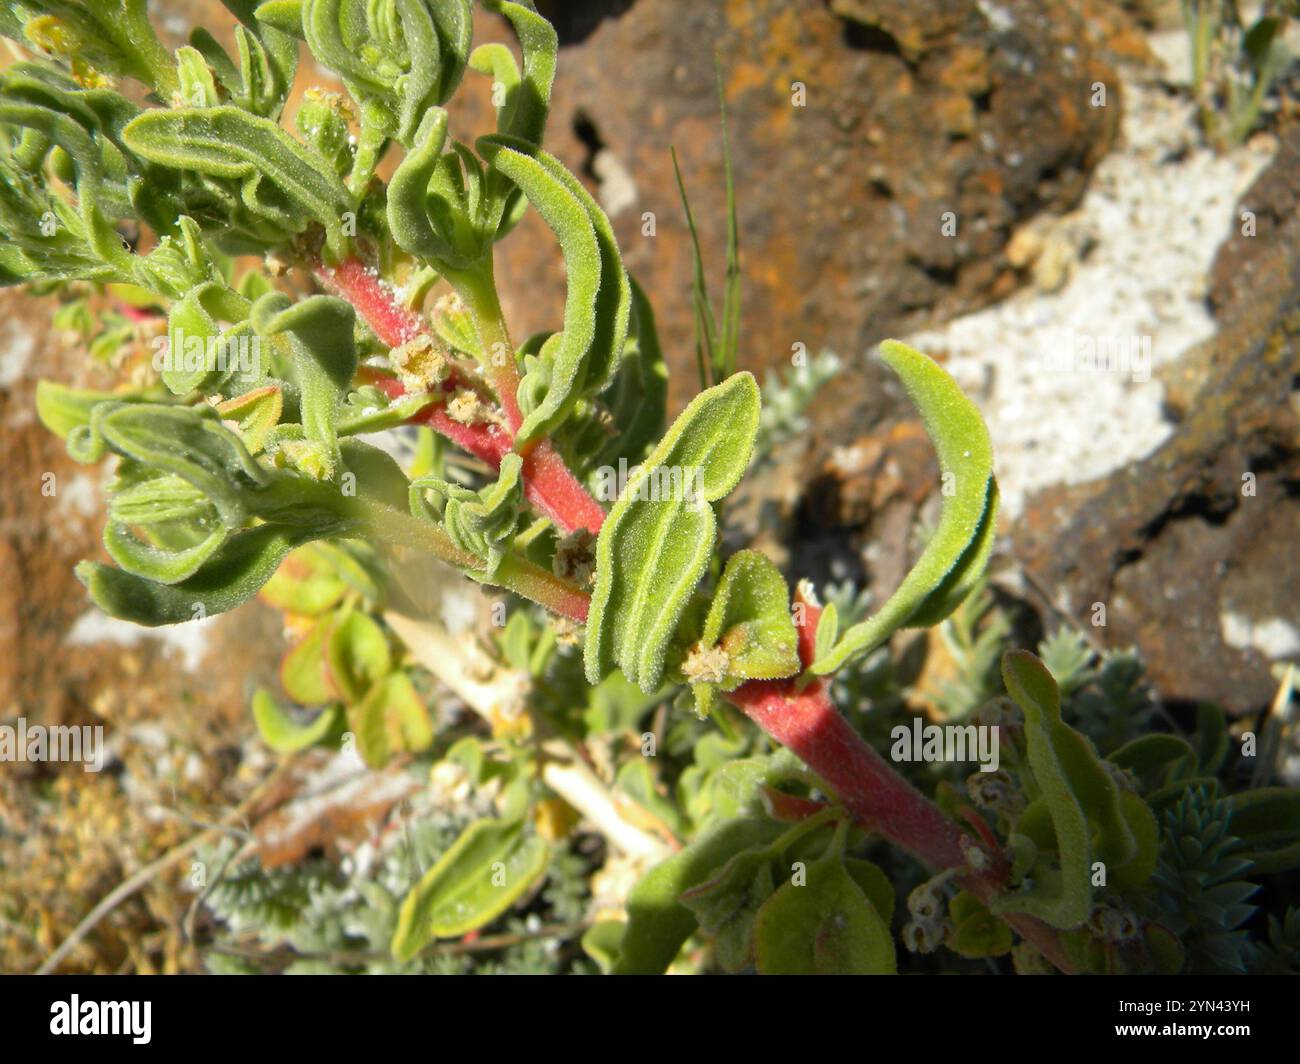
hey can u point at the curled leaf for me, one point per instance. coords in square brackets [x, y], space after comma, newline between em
[282, 732]
[228, 579]
[637, 394]
[279, 180]
[959, 549]
[1090, 819]
[749, 619]
[189, 442]
[320, 334]
[598, 301]
[479, 522]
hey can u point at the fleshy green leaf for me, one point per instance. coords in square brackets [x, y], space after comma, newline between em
[637, 395]
[601, 941]
[62, 409]
[1267, 820]
[155, 562]
[397, 59]
[727, 904]
[109, 35]
[1151, 758]
[197, 87]
[320, 334]
[976, 932]
[190, 442]
[599, 296]
[228, 579]
[480, 522]
[874, 884]
[268, 57]
[487, 870]
[284, 15]
[528, 97]
[749, 619]
[257, 413]
[654, 546]
[285, 735]
[278, 180]
[658, 924]
[1091, 820]
[141, 497]
[823, 927]
[390, 719]
[957, 553]
[196, 349]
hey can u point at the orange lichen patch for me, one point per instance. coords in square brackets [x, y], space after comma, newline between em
[965, 69]
[956, 115]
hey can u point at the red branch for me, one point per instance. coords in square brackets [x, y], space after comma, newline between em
[549, 484]
[878, 797]
[374, 301]
[804, 719]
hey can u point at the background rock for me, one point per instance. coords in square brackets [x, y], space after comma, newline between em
[1195, 571]
[911, 110]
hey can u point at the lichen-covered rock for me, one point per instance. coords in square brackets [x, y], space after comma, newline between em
[855, 127]
[1193, 550]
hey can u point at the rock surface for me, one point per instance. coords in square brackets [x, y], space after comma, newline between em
[1193, 549]
[909, 111]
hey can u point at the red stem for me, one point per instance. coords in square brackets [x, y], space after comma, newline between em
[805, 721]
[802, 719]
[549, 484]
[374, 300]
[876, 795]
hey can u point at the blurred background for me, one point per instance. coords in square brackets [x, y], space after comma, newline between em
[987, 179]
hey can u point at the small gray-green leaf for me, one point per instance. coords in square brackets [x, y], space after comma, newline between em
[230, 578]
[658, 923]
[320, 334]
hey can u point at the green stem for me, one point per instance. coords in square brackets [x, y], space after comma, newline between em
[477, 289]
[513, 573]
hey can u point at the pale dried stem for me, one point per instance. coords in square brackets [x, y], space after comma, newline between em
[494, 692]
